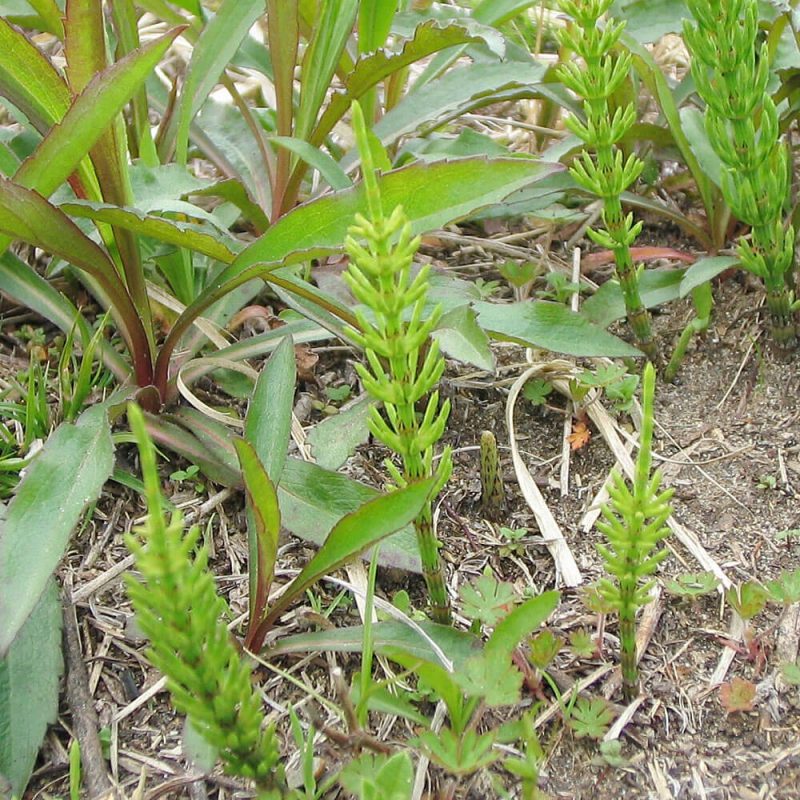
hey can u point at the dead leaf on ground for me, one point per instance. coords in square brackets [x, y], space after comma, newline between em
[580, 435]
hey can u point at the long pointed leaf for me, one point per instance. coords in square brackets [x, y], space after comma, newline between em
[26, 215]
[85, 48]
[264, 526]
[65, 145]
[67, 475]
[328, 40]
[181, 234]
[30, 81]
[269, 416]
[358, 531]
[216, 45]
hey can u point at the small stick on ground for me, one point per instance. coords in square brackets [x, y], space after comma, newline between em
[84, 718]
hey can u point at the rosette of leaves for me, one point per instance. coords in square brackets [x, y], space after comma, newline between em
[634, 522]
[731, 73]
[607, 173]
[180, 612]
[403, 362]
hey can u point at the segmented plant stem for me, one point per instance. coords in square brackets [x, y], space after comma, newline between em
[627, 274]
[628, 666]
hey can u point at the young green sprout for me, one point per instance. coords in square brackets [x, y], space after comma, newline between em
[403, 362]
[608, 173]
[731, 73]
[492, 492]
[634, 523]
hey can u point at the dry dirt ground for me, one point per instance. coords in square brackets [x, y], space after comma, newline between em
[728, 440]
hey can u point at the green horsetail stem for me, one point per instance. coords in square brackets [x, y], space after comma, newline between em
[403, 362]
[634, 522]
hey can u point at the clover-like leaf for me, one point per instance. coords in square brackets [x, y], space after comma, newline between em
[786, 589]
[487, 600]
[591, 718]
[495, 682]
[461, 753]
[748, 600]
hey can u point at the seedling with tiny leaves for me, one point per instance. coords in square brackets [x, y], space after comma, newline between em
[634, 523]
[403, 362]
[609, 172]
[731, 74]
[690, 584]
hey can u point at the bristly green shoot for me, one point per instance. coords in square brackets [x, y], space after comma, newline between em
[608, 173]
[731, 73]
[178, 609]
[403, 362]
[634, 522]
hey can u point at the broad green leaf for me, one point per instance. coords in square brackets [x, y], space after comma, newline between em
[198, 238]
[329, 37]
[264, 528]
[389, 636]
[269, 416]
[313, 500]
[319, 160]
[50, 15]
[656, 286]
[319, 227]
[335, 439]
[462, 186]
[216, 45]
[648, 20]
[460, 89]
[703, 270]
[460, 337]
[30, 81]
[90, 114]
[353, 534]
[551, 326]
[64, 478]
[225, 138]
[513, 629]
[29, 675]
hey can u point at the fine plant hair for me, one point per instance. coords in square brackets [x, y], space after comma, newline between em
[403, 362]
[607, 173]
[180, 612]
[731, 73]
[634, 522]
